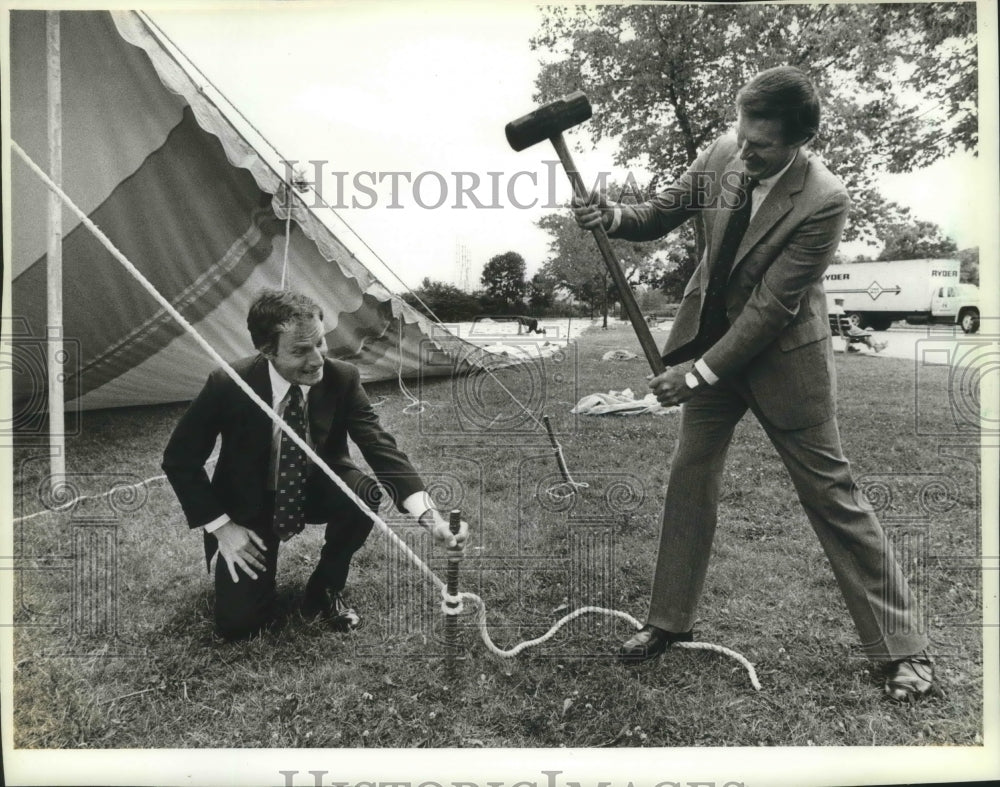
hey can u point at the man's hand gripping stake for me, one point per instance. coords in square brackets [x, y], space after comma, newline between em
[548, 122]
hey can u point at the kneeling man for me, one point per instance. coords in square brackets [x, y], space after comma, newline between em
[265, 489]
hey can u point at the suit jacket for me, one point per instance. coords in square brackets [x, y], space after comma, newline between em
[338, 408]
[779, 335]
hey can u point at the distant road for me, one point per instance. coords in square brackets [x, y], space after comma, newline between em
[923, 344]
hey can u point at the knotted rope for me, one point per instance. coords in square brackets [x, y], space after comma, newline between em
[322, 465]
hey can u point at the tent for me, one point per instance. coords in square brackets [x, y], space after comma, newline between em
[171, 176]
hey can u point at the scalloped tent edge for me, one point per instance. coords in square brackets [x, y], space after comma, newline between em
[176, 184]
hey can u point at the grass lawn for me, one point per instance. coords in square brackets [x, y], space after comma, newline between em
[130, 566]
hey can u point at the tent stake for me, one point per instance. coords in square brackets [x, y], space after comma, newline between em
[452, 608]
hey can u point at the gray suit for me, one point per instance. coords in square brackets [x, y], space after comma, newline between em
[776, 360]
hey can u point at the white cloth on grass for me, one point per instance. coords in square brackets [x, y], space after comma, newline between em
[618, 355]
[621, 403]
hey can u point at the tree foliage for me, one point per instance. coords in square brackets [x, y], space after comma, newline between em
[898, 81]
[447, 302]
[970, 265]
[916, 240]
[575, 263]
[542, 290]
[503, 280]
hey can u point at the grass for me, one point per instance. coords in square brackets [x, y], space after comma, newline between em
[166, 681]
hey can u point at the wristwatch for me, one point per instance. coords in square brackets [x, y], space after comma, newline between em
[691, 381]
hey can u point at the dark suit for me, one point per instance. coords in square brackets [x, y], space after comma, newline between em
[338, 408]
[775, 359]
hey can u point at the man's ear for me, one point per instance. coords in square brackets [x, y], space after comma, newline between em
[267, 351]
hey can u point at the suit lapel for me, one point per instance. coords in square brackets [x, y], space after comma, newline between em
[777, 203]
[321, 407]
[718, 225]
[260, 381]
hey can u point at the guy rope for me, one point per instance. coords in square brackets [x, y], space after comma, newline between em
[453, 601]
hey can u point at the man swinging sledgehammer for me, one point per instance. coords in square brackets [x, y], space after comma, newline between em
[752, 333]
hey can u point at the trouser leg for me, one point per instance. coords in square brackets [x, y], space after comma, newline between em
[870, 579]
[690, 507]
[347, 526]
[245, 607]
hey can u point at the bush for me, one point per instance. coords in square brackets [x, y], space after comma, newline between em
[447, 302]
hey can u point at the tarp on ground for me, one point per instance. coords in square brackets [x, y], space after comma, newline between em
[164, 171]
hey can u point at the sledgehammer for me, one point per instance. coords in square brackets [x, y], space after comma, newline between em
[548, 122]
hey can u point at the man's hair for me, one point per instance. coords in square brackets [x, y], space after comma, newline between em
[273, 311]
[784, 93]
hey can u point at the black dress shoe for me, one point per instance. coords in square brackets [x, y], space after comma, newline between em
[344, 617]
[649, 643]
[316, 602]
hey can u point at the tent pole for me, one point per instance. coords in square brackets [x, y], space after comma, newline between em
[54, 326]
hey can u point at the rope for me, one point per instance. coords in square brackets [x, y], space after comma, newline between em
[288, 235]
[316, 458]
[81, 498]
[416, 406]
[517, 649]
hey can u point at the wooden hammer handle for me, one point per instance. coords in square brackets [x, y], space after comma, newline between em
[639, 324]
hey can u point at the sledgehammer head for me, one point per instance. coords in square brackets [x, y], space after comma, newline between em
[548, 121]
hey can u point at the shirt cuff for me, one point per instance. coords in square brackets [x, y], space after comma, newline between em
[707, 374]
[417, 504]
[215, 524]
[616, 219]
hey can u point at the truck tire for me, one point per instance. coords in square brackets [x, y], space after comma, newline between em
[881, 323]
[857, 319]
[969, 320]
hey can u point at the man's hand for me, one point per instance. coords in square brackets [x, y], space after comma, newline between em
[670, 388]
[240, 546]
[590, 213]
[438, 525]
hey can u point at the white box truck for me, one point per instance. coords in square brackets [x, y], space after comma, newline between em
[876, 294]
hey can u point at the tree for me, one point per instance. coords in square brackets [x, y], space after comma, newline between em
[503, 280]
[970, 265]
[541, 290]
[916, 240]
[575, 262]
[446, 302]
[663, 79]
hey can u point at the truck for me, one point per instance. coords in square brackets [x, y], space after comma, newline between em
[876, 294]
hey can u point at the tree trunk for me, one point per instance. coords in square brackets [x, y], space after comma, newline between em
[604, 308]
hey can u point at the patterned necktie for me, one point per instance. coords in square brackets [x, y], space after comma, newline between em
[289, 494]
[713, 315]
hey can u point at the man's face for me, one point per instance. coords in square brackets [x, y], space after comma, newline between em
[763, 148]
[300, 352]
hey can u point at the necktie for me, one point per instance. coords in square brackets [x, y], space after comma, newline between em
[289, 493]
[713, 315]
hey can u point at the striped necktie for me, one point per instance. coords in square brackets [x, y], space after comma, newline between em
[290, 492]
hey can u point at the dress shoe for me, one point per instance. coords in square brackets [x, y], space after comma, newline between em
[649, 643]
[909, 679]
[344, 617]
[316, 601]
